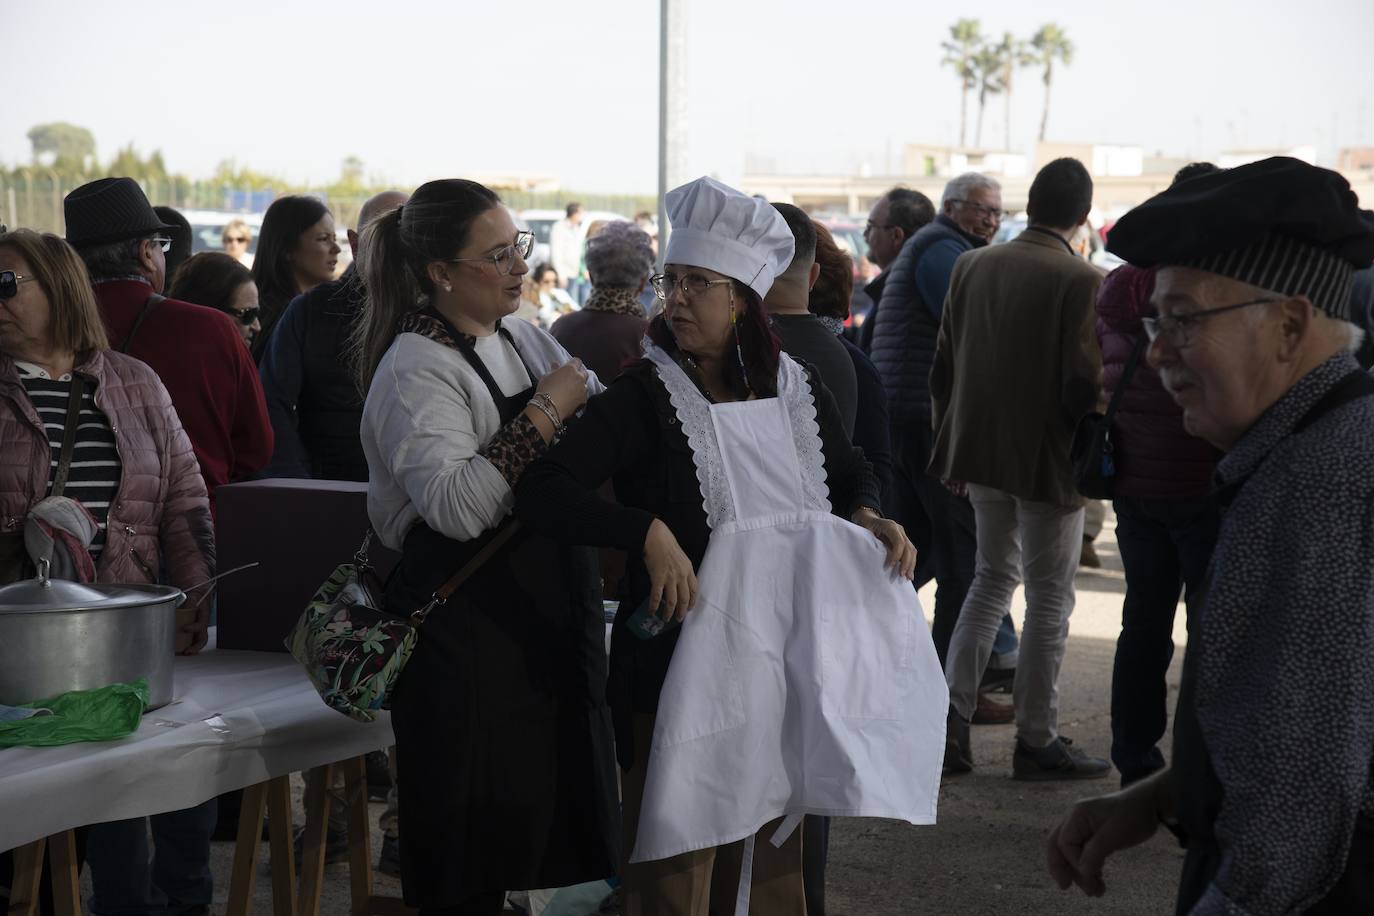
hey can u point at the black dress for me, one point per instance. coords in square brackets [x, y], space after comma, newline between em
[504, 751]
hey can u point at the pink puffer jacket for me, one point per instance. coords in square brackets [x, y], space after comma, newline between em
[160, 512]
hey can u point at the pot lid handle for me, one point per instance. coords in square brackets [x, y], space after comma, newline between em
[44, 567]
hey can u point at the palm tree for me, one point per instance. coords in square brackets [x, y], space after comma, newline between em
[965, 37]
[987, 64]
[1013, 54]
[1051, 44]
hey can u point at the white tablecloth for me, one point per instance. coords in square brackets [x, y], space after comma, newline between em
[238, 718]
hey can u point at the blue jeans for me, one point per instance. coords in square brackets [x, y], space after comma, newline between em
[125, 882]
[579, 290]
[952, 548]
[1165, 548]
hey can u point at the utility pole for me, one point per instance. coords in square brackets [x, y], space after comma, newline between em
[672, 108]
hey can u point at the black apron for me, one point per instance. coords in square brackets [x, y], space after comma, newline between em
[1199, 792]
[506, 764]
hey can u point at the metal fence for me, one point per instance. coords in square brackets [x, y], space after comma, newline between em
[33, 198]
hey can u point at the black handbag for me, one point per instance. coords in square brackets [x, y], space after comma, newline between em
[1090, 453]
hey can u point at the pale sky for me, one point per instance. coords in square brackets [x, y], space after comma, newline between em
[423, 89]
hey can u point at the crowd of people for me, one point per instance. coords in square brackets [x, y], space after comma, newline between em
[694, 434]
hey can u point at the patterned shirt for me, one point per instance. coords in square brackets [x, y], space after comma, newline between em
[1286, 652]
[95, 468]
[614, 299]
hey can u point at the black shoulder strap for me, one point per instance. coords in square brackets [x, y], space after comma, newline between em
[1125, 379]
[148, 306]
[461, 341]
[64, 460]
[1354, 386]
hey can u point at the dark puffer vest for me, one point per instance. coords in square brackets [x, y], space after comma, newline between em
[1156, 458]
[905, 328]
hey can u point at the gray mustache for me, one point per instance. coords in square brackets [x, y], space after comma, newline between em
[1174, 379]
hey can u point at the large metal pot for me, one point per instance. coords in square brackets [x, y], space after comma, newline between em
[57, 636]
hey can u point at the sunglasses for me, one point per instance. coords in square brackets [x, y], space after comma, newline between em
[235, 239]
[9, 283]
[245, 316]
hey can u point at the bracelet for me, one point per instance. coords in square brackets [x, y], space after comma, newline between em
[548, 405]
[877, 512]
[557, 427]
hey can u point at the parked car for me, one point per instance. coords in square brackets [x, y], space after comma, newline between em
[207, 228]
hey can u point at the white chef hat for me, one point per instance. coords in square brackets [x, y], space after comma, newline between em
[717, 227]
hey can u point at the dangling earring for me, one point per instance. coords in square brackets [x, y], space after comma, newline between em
[739, 351]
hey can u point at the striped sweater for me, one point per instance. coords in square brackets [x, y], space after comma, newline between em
[95, 469]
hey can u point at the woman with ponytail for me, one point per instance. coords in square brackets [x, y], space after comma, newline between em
[504, 753]
[741, 501]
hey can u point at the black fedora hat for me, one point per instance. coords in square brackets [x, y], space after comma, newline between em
[109, 210]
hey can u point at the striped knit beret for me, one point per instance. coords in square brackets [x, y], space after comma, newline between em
[1279, 224]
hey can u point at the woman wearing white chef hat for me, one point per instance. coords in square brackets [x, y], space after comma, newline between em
[803, 678]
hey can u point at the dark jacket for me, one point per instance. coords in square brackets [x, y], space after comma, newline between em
[906, 325]
[1155, 457]
[630, 434]
[604, 341]
[200, 357]
[871, 432]
[1017, 367]
[806, 339]
[874, 291]
[312, 396]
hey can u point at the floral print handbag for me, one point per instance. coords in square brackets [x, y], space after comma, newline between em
[352, 649]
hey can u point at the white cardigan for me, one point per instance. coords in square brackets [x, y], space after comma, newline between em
[427, 416]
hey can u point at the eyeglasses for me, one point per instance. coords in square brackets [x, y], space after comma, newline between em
[1176, 329]
[991, 212]
[235, 240]
[162, 242]
[9, 283]
[245, 316]
[691, 284]
[504, 259]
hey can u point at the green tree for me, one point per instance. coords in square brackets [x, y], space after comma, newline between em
[230, 174]
[1051, 44]
[965, 37]
[62, 141]
[1013, 53]
[351, 181]
[987, 64]
[128, 163]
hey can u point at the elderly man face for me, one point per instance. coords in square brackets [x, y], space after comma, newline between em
[884, 239]
[978, 213]
[1225, 350]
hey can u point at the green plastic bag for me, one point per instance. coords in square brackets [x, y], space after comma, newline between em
[103, 714]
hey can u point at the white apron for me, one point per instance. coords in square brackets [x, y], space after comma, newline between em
[805, 680]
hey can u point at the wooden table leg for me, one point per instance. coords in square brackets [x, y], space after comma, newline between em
[365, 903]
[316, 829]
[28, 875]
[66, 878]
[359, 835]
[242, 879]
[283, 847]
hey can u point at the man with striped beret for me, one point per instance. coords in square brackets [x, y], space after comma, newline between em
[1271, 788]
